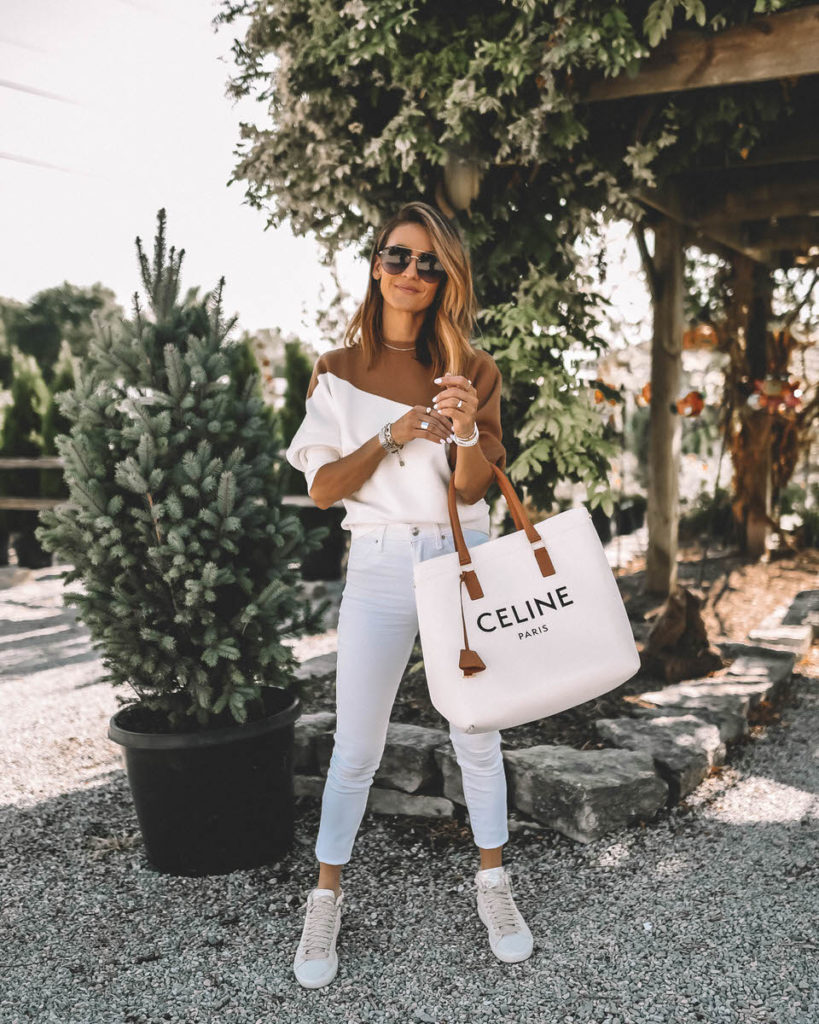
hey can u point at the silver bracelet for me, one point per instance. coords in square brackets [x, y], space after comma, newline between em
[386, 439]
[467, 442]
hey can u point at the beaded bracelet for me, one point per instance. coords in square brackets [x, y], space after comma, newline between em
[466, 442]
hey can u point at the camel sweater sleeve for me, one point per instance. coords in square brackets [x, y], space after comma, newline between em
[349, 401]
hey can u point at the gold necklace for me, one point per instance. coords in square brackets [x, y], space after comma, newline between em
[398, 348]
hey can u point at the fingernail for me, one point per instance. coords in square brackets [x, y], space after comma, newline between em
[437, 380]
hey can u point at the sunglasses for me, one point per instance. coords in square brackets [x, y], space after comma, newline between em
[396, 258]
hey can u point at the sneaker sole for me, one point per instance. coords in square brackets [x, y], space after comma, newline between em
[507, 958]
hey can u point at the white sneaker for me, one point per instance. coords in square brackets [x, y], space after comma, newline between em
[509, 935]
[316, 962]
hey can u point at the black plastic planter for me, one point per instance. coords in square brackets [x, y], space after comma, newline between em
[216, 801]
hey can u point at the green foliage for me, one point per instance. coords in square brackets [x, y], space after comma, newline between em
[708, 516]
[6, 364]
[298, 369]
[175, 528]
[22, 436]
[57, 314]
[809, 530]
[793, 499]
[374, 103]
[52, 484]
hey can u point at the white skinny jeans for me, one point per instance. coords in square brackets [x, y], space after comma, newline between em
[377, 626]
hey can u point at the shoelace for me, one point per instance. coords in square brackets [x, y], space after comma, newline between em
[501, 908]
[318, 928]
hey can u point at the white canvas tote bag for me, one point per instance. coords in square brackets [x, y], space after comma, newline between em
[522, 626]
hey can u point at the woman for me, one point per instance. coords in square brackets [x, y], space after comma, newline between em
[389, 417]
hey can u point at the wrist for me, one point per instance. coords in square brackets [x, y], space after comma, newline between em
[387, 441]
[469, 439]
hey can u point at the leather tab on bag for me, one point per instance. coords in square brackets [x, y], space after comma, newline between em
[544, 561]
[473, 586]
[470, 662]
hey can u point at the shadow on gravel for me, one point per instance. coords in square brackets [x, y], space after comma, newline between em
[91, 933]
[54, 641]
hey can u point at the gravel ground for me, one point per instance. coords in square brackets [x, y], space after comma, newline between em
[707, 914]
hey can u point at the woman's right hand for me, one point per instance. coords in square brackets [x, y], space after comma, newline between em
[409, 426]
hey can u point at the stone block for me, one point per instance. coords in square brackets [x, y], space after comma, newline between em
[408, 762]
[706, 699]
[320, 667]
[753, 664]
[304, 738]
[324, 750]
[584, 793]
[804, 611]
[393, 801]
[791, 638]
[308, 785]
[381, 800]
[683, 747]
[451, 773]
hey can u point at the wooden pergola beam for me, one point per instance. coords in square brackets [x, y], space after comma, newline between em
[719, 238]
[799, 234]
[784, 45]
[784, 195]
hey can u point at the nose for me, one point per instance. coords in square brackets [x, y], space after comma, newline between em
[411, 266]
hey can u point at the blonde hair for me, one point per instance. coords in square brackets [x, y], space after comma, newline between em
[443, 341]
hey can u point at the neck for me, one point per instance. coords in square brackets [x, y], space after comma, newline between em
[400, 327]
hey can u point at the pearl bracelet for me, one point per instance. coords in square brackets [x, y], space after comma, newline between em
[466, 442]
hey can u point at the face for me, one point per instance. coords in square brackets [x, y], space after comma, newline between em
[406, 291]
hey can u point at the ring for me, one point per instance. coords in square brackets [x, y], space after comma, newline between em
[460, 402]
[424, 426]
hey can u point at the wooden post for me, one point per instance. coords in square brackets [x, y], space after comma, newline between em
[664, 449]
[751, 429]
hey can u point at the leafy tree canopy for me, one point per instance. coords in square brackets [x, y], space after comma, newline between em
[54, 315]
[478, 107]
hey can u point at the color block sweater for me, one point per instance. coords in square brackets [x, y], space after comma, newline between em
[347, 404]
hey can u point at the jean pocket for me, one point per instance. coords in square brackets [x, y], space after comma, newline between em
[363, 547]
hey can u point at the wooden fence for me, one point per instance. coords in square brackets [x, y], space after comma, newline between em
[56, 462]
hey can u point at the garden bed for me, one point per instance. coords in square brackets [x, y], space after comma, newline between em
[737, 595]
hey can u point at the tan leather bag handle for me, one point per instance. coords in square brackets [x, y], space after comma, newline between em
[470, 662]
[521, 520]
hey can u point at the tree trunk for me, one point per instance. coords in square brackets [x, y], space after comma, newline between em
[664, 447]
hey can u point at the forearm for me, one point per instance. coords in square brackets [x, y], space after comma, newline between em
[339, 479]
[473, 473]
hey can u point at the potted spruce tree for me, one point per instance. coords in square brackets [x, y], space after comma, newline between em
[189, 573]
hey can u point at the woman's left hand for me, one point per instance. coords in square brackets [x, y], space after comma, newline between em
[458, 402]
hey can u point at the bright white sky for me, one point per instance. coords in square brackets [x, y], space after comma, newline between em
[149, 126]
[146, 124]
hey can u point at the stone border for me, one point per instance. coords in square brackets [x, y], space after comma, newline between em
[678, 734]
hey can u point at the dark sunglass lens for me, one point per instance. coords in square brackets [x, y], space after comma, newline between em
[429, 269]
[395, 259]
[429, 262]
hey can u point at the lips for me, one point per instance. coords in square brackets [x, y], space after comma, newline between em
[402, 288]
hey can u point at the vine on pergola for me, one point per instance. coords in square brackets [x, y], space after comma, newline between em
[478, 108]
